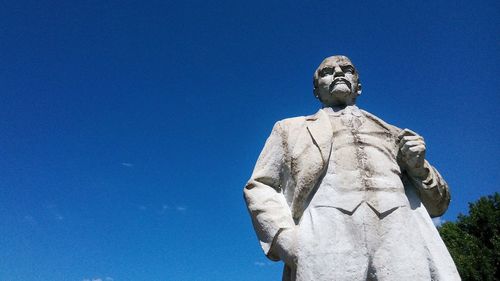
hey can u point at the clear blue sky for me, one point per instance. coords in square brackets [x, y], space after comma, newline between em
[129, 128]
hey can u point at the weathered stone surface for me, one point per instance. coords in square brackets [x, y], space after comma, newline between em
[342, 195]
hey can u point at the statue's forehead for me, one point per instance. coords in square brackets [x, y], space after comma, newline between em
[340, 60]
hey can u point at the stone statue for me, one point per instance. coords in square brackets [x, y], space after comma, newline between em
[342, 195]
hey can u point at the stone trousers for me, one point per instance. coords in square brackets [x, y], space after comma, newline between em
[364, 245]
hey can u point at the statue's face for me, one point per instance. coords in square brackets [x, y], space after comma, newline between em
[336, 82]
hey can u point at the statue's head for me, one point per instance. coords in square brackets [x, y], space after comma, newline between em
[336, 82]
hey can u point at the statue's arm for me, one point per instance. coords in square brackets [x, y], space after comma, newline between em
[431, 186]
[433, 190]
[263, 193]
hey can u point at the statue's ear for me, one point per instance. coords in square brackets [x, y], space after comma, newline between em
[315, 93]
[359, 88]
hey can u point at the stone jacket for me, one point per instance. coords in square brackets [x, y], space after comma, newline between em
[292, 165]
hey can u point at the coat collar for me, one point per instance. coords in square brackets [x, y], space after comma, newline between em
[320, 129]
[337, 111]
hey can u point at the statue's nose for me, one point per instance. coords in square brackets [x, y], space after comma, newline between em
[338, 72]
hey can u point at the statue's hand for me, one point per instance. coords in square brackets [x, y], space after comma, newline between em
[412, 153]
[286, 246]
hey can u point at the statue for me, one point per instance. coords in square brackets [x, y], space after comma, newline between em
[343, 195]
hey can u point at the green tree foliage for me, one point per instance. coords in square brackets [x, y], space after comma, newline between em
[474, 240]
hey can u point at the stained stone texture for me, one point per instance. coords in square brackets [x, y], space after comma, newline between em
[342, 195]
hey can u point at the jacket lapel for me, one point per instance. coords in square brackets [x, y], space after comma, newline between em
[320, 129]
[310, 157]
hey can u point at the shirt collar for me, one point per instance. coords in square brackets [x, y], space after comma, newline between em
[337, 111]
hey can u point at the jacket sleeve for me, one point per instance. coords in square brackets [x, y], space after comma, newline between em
[433, 191]
[264, 195]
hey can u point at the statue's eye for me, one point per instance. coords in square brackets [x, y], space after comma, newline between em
[348, 70]
[326, 71]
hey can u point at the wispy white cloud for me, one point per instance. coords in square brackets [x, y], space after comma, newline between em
[259, 263]
[98, 279]
[30, 220]
[181, 208]
[262, 264]
[164, 209]
[126, 164]
[53, 210]
[438, 221]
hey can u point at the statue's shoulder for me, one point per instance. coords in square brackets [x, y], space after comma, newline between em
[301, 120]
[391, 128]
[293, 123]
[293, 120]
